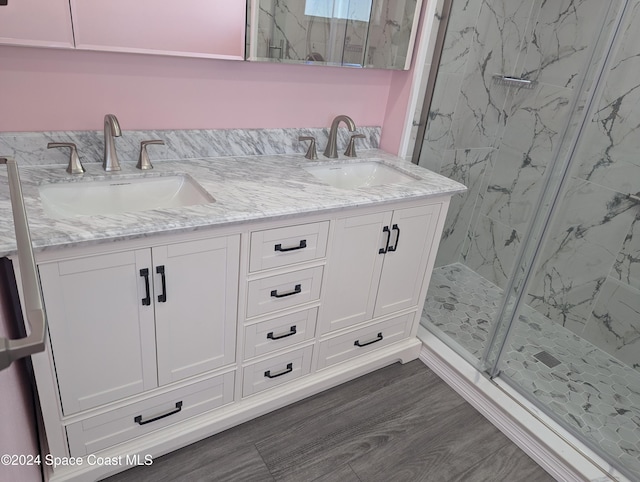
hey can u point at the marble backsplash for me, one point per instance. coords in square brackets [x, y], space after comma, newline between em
[30, 148]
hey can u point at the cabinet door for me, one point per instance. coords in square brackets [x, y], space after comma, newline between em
[40, 23]
[102, 335]
[196, 317]
[405, 264]
[201, 28]
[353, 271]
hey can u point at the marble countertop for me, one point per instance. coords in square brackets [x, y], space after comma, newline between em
[244, 188]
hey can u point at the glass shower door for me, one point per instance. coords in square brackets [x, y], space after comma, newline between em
[574, 346]
[503, 141]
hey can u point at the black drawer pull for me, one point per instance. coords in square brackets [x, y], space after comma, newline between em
[292, 331]
[289, 369]
[173, 411]
[395, 246]
[146, 301]
[295, 291]
[302, 245]
[379, 338]
[163, 297]
[386, 246]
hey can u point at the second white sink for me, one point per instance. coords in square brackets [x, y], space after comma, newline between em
[86, 198]
[355, 175]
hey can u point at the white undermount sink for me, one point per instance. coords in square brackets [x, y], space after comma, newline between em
[353, 175]
[86, 198]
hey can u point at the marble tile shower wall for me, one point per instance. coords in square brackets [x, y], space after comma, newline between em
[30, 148]
[590, 278]
[498, 140]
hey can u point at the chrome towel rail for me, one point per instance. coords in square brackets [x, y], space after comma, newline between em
[634, 197]
[11, 350]
[508, 81]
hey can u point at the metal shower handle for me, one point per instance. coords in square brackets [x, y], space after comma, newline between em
[11, 350]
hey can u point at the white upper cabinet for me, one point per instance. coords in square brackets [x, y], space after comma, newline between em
[194, 28]
[189, 28]
[38, 23]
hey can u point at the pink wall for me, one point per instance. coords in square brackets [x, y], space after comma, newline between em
[397, 105]
[46, 89]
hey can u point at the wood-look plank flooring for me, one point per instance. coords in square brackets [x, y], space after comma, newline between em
[400, 423]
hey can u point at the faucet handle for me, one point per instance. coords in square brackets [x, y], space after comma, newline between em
[311, 152]
[143, 161]
[351, 148]
[75, 166]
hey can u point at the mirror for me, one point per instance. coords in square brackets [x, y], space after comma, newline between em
[352, 33]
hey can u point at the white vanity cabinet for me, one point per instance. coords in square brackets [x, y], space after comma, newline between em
[232, 324]
[111, 316]
[378, 263]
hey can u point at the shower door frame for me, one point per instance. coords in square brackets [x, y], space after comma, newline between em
[555, 182]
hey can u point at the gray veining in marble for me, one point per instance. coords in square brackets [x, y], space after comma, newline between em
[31, 148]
[523, 127]
[560, 41]
[492, 249]
[588, 234]
[536, 121]
[245, 189]
[469, 167]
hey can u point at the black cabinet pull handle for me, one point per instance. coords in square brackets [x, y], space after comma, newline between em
[379, 338]
[302, 245]
[295, 291]
[386, 246]
[162, 298]
[395, 246]
[146, 301]
[173, 411]
[292, 331]
[289, 369]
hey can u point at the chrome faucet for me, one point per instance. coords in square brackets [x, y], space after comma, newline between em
[332, 146]
[111, 130]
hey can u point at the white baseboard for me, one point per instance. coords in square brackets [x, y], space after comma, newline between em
[554, 449]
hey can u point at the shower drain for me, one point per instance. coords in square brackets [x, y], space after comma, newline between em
[547, 359]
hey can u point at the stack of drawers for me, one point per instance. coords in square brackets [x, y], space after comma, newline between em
[286, 267]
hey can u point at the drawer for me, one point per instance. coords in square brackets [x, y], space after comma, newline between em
[283, 291]
[364, 340]
[283, 246]
[122, 424]
[276, 371]
[278, 333]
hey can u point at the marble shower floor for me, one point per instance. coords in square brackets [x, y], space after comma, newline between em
[592, 392]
